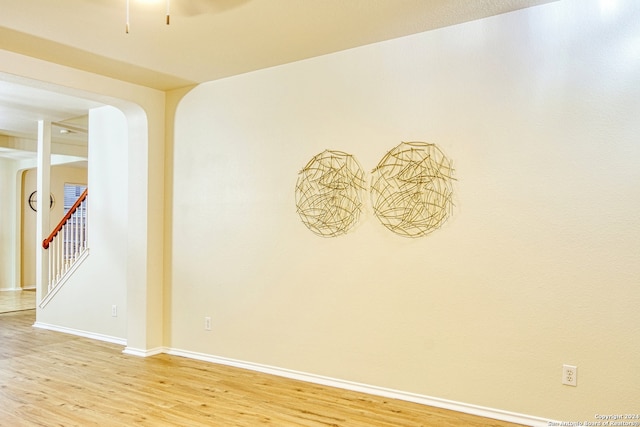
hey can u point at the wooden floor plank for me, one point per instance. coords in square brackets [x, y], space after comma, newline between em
[53, 379]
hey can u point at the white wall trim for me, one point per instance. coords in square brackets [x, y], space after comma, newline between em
[144, 353]
[77, 332]
[466, 408]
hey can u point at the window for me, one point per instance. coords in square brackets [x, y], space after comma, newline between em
[71, 194]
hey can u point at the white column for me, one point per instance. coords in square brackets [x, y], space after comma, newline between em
[42, 217]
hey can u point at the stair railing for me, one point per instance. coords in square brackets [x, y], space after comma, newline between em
[67, 242]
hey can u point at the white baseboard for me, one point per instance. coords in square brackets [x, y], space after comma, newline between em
[85, 334]
[466, 408]
[143, 353]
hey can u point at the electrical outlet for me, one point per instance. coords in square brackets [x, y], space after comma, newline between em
[207, 323]
[570, 375]
[114, 311]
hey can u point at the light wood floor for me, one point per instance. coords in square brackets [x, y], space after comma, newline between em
[53, 379]
[17, 300]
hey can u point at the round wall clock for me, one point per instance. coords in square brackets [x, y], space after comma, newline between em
[33, 201]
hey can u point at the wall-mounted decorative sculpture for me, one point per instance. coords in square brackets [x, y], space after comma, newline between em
[412, 189]
[329, 193]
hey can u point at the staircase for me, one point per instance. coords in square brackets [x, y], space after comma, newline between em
[67, 245]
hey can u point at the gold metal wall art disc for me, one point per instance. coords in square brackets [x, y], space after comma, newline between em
[412, 189]
[329, 193]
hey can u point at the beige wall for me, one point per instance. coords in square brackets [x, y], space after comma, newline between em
[60, 175]
[8, 256]
[538, 267]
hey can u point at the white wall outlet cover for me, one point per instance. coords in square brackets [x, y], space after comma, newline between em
[570, 375]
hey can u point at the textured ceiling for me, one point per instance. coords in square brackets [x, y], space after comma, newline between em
[206, 40]
[212, 39]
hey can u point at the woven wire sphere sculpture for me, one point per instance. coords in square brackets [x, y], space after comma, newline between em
[412, 189]
[329, 193]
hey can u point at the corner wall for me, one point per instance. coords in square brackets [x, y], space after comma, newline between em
[538, 266]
